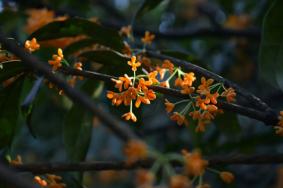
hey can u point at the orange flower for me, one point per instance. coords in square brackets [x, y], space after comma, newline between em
[212, 97]
[195, 115]
[161, 72]
[148, 38]
[189, 78]
[165, 84]
[133, 63]
[54, 181]
[140, 100]
[202, 103]
[179, 181]
[32, 45]
[130, 116]
[207, 115]
[230, 95]
[56, 62]
[144, 84]
[178, 82]
[17, 161]
[123, 80]
[167, 64]
[187, 90]
[201, 126]
[227, 177]
[115, 97]
[169, 106]
[126, 31]
[150, 94]
[135, 150]
[238, 22]
[195, 165]
[40, 181]
[144, 178]
[78, 66]
[211, 108]
[203, 88]
[180, 119]
[152, 77]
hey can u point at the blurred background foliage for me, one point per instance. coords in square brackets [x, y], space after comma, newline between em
[50, 128]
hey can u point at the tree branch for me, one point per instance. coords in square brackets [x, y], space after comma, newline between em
[42, 168]
[124, 132]
[255, 101]
[267, 118]
[7, 175]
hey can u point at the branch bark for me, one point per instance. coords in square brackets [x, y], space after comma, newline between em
[41, 168]
[122, 131]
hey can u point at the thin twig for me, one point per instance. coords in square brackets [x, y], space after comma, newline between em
[41, 168]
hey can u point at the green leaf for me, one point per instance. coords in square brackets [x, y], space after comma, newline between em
[271, 47]
[10, 69]
[77, 26]
[9, 105]
[113, 63]
[78, 126]
[147, 6]
[76, 46]
[27, 105]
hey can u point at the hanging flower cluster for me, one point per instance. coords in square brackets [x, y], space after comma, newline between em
[194, 167]
[133, 90]
[201, 104]
[50, 181]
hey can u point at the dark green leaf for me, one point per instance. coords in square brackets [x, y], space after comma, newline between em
[77, 26]
[27, 105]
[113, 63]
[147, 6]
[10, 69]
[271, 48]
[76, 46]
[9, 105]
[78, 126]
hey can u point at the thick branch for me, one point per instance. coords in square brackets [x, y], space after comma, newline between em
[7, 175]
[255, 101]
[124, 132]
[123, 165]
[267, 118]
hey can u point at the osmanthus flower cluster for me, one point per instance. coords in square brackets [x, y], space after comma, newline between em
[50, 181]
[201, 104]
[133, 90]
[194, 167]
[46, 181]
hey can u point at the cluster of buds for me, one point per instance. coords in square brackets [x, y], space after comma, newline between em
[32, 45]
[51, 181]
[57, 59]
[133, 90]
